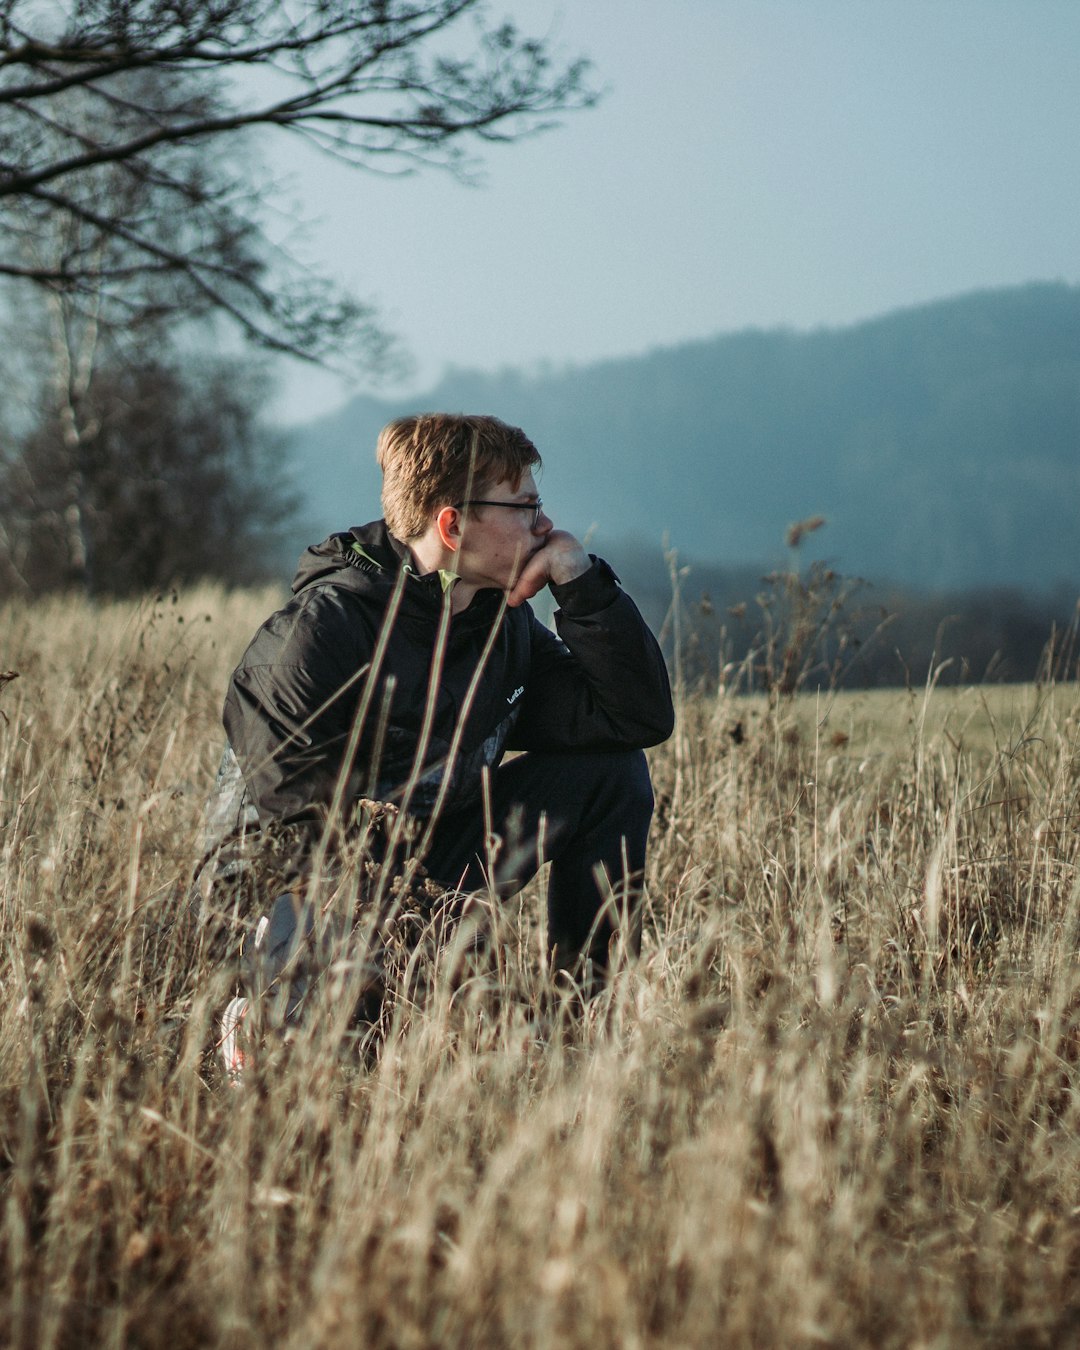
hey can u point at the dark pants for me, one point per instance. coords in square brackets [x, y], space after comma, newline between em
[588, 814]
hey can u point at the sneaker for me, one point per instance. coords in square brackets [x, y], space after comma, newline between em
[234, 1036]
[234, 1041]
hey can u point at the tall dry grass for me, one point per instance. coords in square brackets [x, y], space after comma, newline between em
[835, 1103]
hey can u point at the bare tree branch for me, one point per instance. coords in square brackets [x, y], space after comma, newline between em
[130, 117]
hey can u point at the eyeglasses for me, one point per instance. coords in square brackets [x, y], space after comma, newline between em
[535, 507]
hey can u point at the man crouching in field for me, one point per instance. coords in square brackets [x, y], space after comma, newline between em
[405, 665]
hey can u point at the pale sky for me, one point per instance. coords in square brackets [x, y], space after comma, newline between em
[754, 163]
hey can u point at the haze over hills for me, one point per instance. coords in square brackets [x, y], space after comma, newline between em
[941, 443]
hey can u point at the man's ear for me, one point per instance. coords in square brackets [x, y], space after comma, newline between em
[448, 523]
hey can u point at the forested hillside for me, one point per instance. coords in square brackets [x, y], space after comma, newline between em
[942, 443]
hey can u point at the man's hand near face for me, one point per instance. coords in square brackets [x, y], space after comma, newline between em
[561, 559]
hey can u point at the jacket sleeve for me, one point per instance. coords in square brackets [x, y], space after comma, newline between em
[290, 706]
[601, 684]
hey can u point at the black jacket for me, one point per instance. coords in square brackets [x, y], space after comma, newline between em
[328, 669]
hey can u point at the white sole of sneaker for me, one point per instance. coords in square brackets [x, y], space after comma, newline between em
[232, 1053]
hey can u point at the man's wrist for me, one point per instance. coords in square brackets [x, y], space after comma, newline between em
[595, 589]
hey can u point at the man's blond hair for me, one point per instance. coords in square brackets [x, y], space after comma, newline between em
[431, 460]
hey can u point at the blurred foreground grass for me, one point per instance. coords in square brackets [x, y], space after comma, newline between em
[835, 1103]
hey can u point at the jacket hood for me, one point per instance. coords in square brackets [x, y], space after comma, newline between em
[358, 558]
[368, 559]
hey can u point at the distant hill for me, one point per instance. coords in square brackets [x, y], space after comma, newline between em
[942, 443]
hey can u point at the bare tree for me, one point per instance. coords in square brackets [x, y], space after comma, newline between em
[71, 328]
[131, 451]
[178, 480]
[125, 119]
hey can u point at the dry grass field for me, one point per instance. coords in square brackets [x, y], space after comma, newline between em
[836, 1102]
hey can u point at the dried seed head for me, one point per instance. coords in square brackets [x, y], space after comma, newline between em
[796, 531]
[39, 933]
